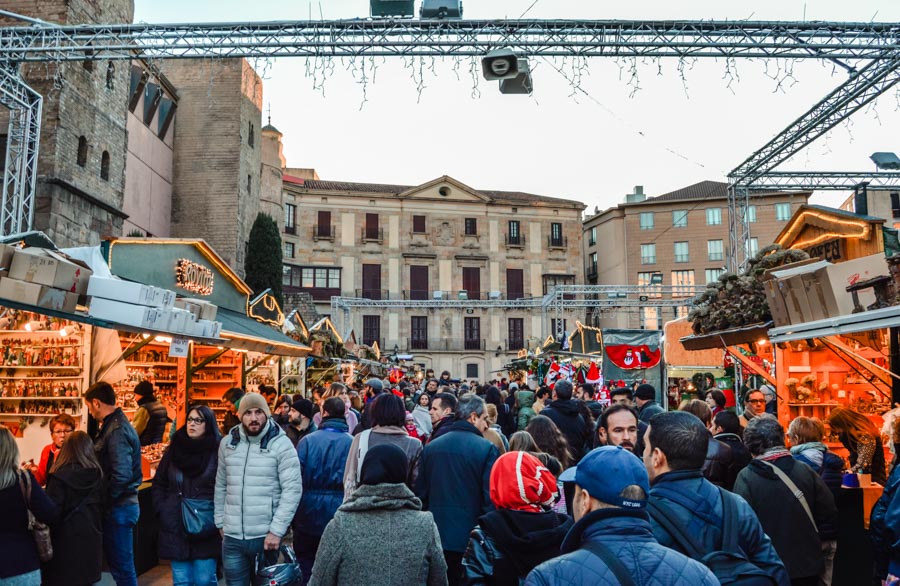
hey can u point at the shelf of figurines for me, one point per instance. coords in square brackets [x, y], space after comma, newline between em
[48, 407]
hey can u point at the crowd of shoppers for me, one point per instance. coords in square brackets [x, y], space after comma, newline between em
[450, 483]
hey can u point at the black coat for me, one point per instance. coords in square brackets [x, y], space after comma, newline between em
[78, 535]
[718, 467]
[506, 545]
[173, 541]
[454, 482]
[119, 451]
[782, 516]
[568, 419]
[740, 455]
[156, 425]
[18, 554]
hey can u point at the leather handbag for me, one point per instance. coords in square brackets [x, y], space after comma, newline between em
[39, 531]
[197, 515]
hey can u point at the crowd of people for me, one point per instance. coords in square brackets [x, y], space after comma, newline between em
[447, 482]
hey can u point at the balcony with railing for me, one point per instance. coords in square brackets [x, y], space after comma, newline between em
[682, 258]
[370, 341]
[515, 344]
[515, 241]
[444, 344]
[291, 230]
[323, 232]
[557, 242]
[590, 272]
[369, 234]
[376, 294]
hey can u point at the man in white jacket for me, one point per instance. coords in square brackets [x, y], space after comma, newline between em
[258, 488]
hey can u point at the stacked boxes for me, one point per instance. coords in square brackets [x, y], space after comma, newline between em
[814, 290]
[42, 278]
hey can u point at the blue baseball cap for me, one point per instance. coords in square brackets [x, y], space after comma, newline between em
[605, 472]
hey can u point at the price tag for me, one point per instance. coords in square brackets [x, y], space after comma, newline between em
[178, 348]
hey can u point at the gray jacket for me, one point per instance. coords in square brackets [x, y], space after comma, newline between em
[380, 537]
[258, 484]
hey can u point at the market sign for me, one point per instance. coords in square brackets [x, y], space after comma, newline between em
[830, 250]
[193, 277]
[265, 308]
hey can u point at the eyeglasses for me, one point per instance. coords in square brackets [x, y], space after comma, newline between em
[62, 431]
[756, 400]
[196, 420]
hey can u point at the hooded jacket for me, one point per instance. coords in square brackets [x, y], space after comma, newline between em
[526, 411]
[506, 545]
[568, 419]
[380, 434]
[829, 465]
[627, 534]
[740, 455]
[795, 538]
[258, 485]
[323, 456]
[78, 535]
[380, 537]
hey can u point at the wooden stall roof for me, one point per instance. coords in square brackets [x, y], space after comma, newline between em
[813, 226]
[725, 338]
[675, 354]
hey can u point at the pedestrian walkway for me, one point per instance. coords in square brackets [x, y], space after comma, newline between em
[161, 575]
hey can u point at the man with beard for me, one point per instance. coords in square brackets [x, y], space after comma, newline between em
[258, 488]
[300, 423]
[442, 407]
[618, 426]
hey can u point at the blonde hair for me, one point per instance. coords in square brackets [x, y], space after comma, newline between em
[856, 425]
[9, 458]
[803, 430]
[491, 413]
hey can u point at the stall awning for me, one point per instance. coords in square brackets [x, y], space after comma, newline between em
[80, 317]
[845, 324]
[725, 338]
[245, 333]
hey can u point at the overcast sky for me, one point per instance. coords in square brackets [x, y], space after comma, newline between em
[593, 146]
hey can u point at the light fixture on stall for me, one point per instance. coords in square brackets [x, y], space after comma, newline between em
[63, 332]
[163, 339]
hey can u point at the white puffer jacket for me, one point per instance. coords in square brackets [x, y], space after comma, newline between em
[258, 484]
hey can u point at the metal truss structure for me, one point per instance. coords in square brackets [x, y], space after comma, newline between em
[862, 87]
[823, 181]
[17, 207]
[561, 299]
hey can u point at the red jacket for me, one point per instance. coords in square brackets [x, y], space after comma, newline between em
[47, 457]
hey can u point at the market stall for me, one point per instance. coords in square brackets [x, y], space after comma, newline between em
[691, 373]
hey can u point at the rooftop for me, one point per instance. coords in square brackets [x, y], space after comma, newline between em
[386, 189]
[702, 190]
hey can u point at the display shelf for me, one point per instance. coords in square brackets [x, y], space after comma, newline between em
[152, 364]
[40, 398]
[13, 366]
[198, 381]
[2, 414]
[41, 378]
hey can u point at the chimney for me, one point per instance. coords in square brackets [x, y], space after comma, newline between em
[637, 196]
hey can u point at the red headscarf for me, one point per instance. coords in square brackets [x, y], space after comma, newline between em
[520, 482]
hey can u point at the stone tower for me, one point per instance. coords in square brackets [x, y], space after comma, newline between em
[271, 195]
[81, 163]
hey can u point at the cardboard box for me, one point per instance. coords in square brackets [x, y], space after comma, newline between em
[208, 329]
[181, 320]
[45, 267]
[128, 292]
[828, 285]
[790, 282]
[139, 316]
[6, 254]
[38, 295]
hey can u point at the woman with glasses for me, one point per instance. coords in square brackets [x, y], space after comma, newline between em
[75, 484]
[188, 470]
[60, 427]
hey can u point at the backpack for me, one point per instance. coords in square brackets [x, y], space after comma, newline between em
[729, 564]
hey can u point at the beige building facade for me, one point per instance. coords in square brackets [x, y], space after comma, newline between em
[677, 239]
[442, 271]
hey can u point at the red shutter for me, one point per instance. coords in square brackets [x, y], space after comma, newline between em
[418, 282]
[472, 282]
[515, 284]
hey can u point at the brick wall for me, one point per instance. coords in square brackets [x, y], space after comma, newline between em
[218, 102]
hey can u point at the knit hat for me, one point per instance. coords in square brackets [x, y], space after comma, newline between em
[520, 482]
[304, 407]
[253, 401]
[144, 388]
[384, 464]
[645, 392]
[605, 472]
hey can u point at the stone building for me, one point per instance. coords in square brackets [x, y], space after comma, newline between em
[216, 195]
[675, 239]
[441, 271]
[81, 163]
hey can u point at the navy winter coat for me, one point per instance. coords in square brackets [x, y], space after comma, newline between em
[454, 482]
[627, 534]
[696, 503]
[884, 527]
[323, 455]
[173, 540]
[829, 465]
